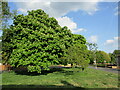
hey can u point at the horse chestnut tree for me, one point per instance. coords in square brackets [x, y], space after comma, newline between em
[35, 41]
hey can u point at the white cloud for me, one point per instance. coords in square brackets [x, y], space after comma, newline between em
[113, 42]
[117, 11]
[93, 39]
[58, 9]
[22, 10]
[109, 41]
[79, 30]
[117, 38]
[66, 21]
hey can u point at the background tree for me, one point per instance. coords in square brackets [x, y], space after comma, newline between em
[116, 52]
[113, 59]
[92, 51]
[102, 56]
[117, 55]
[91, 46]
[114, 56]
[5, 16]
[35, 41]
[77, 54]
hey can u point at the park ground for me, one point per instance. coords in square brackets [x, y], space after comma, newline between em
[63, 78]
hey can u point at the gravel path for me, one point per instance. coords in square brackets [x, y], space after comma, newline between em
[106, 69]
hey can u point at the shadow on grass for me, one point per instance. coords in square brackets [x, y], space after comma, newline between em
[66, 85]
[71, 71]
[45, 72]
[67, 72]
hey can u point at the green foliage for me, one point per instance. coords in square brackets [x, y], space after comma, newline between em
[35, 41]
[5, 14]
[116, 52]
[5, 8]
[79, 39]
[102, 56]
[114, 56]
[77, 53]
[92, 46]
[92, 51]
[91, 56]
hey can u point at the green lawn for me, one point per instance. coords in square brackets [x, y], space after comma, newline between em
[90, 78]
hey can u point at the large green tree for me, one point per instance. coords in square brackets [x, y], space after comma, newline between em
[35, 41]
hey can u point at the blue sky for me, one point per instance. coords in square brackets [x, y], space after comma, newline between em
[97, 21]
[103, 24]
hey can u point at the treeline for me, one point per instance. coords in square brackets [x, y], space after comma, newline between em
[101, 56]
[114, 57]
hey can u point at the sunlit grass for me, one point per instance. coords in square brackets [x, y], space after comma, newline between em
[73, 77]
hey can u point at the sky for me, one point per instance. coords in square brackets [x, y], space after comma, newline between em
[96, 21]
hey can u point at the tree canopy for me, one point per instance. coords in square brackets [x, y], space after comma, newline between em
[114, 56]
[77, 53]
[6, 14]
[37, 41]
[102, 57]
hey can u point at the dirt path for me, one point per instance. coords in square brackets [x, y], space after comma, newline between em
[105, 69]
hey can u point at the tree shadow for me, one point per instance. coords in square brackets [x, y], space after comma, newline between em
[43, 72]
[70, 72]
[67, 72]
[66, 85]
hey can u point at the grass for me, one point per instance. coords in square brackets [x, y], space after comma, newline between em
[70, 78]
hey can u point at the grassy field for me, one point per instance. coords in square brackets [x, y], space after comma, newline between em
[69, 78]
